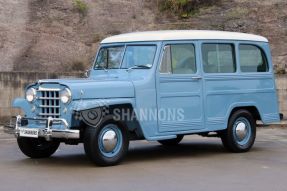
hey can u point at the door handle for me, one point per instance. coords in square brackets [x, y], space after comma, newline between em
[196, 77]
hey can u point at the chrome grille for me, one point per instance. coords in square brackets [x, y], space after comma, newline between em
[49, 103]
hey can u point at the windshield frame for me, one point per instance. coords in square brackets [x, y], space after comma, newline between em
[122, 59]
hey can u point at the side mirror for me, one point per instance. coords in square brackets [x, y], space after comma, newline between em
[87, 73]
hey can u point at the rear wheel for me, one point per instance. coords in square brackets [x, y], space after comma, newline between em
[171, 142]
[240, 133]
[107, 144]
[37, 148]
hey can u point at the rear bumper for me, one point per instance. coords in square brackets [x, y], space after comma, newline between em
[48, 132]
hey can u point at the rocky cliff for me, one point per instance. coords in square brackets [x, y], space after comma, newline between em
[61, 35]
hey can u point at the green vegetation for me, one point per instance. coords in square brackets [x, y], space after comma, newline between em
[185, 8]
[80, 6]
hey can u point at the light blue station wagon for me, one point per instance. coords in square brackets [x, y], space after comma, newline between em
[157, 86]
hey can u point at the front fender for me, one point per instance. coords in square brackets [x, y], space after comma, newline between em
[20, 103]
[81, 105]
[23, 104]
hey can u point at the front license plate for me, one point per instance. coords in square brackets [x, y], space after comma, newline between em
[28, 132]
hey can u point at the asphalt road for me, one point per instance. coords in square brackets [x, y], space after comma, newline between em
[197, 164]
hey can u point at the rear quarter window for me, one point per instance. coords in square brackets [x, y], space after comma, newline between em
[252, 59]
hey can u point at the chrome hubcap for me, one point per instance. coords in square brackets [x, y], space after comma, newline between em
[109, 140]
[241, 131]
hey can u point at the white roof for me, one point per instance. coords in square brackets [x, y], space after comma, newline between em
[182, 35]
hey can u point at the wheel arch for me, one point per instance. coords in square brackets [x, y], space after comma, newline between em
[252, 109]
[121, 114]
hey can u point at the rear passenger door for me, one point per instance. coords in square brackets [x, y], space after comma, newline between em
[220, 81]
[179, 88]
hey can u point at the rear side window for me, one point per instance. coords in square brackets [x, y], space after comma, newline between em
[179, 59]
[252, 59]
[218, 58]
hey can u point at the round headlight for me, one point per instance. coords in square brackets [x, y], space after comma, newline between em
[31, 94]
[65, 95]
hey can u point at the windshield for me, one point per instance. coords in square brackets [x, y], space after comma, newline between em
[125, 57]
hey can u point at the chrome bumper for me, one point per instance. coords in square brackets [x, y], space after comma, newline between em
[47, 132]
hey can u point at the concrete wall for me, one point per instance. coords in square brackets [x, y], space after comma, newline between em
[281, 83]
[13, 83]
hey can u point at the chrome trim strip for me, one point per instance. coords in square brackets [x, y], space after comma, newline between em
[48, 89]
[49, 106]
[49, 114]
[52, 98]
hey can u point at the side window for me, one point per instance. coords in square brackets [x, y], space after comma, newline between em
[178, 59]
[218, 58]
[252, 59]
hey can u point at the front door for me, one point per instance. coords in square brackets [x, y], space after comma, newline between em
[179, 89]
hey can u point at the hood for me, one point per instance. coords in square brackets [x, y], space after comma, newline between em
[85, 88]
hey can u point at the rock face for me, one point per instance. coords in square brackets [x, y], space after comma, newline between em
[53, 35]
[13, 20]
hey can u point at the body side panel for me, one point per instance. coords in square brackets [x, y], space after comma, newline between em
[224, 92]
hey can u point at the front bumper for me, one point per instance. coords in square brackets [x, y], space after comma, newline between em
[48, 132]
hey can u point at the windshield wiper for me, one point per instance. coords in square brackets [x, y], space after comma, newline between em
[148, 66]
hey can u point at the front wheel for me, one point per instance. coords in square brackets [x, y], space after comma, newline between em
[240, 133]
[37, 148]
[107, 144]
